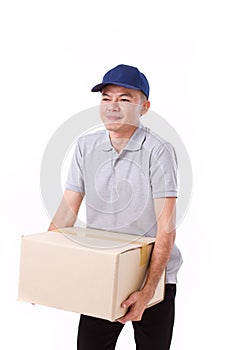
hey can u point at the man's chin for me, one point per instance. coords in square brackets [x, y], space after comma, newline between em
[113, 126]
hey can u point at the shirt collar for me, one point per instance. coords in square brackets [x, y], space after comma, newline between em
[134, 143]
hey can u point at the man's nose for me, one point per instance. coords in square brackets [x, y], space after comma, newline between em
[113, 106]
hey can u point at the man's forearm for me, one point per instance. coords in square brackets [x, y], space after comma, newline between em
[137, 301]
[67, 211]
[159, 259]
[165, 210]
[61, 222]
[64, 217]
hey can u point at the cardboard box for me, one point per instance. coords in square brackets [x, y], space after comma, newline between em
[85, 271]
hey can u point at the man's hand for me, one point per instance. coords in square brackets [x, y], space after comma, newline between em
[136, 303]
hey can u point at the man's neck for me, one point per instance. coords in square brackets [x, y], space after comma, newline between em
[119, 140]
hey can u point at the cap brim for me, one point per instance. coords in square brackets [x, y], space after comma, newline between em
[99, 87]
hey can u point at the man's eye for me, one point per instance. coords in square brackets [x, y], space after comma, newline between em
[124, 100]
[105, 99]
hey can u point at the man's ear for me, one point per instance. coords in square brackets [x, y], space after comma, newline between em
[145, 107]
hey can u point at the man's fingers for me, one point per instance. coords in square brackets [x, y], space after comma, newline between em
[125, 318]
[131, 300]
[130, 316]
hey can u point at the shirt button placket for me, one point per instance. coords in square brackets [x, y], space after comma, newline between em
[114, 180]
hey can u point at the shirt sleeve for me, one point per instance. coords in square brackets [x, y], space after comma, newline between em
[75, 179]
[163, 171]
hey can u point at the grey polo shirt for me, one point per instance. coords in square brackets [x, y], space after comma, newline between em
[120, 187]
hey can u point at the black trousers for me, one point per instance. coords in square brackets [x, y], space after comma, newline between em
[153, 332]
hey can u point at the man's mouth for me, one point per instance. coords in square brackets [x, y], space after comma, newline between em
[113, 118]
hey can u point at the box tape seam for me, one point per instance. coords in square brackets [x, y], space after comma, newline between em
[144, 254]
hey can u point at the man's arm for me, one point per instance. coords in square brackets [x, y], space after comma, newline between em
[166, 232]
[67, 211]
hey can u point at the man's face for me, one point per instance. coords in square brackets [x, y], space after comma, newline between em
[121, 108]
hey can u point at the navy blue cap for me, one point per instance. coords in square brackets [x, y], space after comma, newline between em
[126, 76]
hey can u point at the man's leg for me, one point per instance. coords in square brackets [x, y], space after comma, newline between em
[154, 331]
[97, 334]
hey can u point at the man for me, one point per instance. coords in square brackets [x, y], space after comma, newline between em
[128, 177]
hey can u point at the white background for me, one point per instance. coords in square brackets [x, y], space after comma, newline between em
[52, 53]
